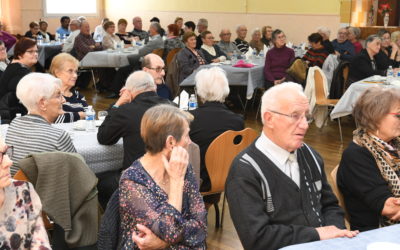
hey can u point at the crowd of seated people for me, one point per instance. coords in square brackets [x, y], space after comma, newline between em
[157, 192]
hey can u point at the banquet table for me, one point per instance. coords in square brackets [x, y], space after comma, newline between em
[108, 58]
[250, 77]
[347, 101]
[363, 241]
[46, 50]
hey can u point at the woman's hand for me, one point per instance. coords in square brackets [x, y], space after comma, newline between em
[391, 209]
[216, 60]
[177, 164]
[146, 239]
[82, 115]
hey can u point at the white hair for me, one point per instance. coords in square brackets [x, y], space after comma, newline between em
[324, 30]
[36, 86]
[203, 21]
[255, 31]
[239, 26]
[140, 81]
[271, 97]
[212, 84]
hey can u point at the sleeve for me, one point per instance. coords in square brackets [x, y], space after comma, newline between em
[81, 99]
[40, 240]
[220, 53]
[164, 220]
[107, 42]
[147, 49]
[185, 62]
[68, 117]
[65, 144]
[267, 68]
[252, 222]
[359, 175]
[350, 52]
[113, 127]
[207, 56]
[81, 47]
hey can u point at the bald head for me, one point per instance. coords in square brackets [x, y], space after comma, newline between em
[241, 31]
[154, 65]
[137, 23]
[85, 27]
[225, 35]
[140, 81]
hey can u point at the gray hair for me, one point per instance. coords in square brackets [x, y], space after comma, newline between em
[239, 26]
[372, 38]
[271, 97]
[324, 30]
[140, 81]
[212, 84]
[255, 31]
[35, 86]
[76, 22]
[81, 18]
[356, 31]
[156, 26]
[203, 21]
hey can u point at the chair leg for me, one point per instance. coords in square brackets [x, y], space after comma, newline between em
[340, 131]
[223, 211]
[258, 109]
[216, 215]
[94, 79]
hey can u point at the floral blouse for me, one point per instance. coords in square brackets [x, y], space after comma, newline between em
[142, 201]
[21, 224]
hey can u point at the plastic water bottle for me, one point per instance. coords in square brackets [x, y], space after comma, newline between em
[389, 75]
[39, 39]
[234, 57]
[192, 102]
[90, 122]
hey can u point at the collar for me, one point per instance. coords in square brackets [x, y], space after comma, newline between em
[270, 149]
[34, 117]
[155, 36]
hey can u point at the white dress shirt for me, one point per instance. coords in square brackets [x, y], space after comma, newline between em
[69, 42]
[280, 157]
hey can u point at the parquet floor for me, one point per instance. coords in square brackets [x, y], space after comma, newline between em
[326, 142]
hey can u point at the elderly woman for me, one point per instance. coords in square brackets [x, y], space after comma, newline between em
[3, 58]
[212, 89]
[266, 39]
[387, 56]
[189, 58]
[41, 95]
[353, 36]
[326, 33]
[25, 56]
[255, 42]
[158, 192]
[212, 53]
[65, 67]
[173, 41]
[278, 59]
[366, 63]
[317, 54]
[33, 31]
[6, 37]
[368, 175]
[122, 34]
[21, 223]
[179, 21]
[110, 40]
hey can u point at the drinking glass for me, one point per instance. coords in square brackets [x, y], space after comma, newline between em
[102, 115]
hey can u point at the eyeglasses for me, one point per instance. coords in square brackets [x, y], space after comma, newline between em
[397, 115]
[226, 34]
[32, 51]
[295, 116]
[158, 70]
[281, 37]
[9, 151]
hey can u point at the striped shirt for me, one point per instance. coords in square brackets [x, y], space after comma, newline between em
[72, 106]
[33, 134]
[242, 45]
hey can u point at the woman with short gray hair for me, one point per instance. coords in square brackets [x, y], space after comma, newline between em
[211, 119]
[325, 33]
[366, 64]
[353, 36]
[256, 42]
[41, 95]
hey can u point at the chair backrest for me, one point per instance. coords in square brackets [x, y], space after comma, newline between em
[222, 151]
[158, 52]
[319, 87]
[171, 55]
[337, 191]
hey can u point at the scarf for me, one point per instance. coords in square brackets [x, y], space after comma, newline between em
[387, 159]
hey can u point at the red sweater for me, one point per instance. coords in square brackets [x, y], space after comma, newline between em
[277, 62]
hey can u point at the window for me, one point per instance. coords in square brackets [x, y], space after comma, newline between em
[70, 7]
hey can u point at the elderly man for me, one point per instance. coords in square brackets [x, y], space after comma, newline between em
[137, 29]
[225, 43]
[63, 30]
[240, 43]
[343, 47]
[154, 65]
[84, 42]
[202, 25]
[123, 120]
[74, 26]
[277, 189]
[326, 33]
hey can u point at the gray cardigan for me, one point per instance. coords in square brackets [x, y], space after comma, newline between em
[187, 63]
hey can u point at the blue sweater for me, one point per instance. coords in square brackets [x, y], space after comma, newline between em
[346, 49]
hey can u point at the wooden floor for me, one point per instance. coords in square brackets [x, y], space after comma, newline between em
[326, 142]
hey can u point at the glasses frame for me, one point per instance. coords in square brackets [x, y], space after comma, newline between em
[294, 117]
[158, 70]
[9, 151]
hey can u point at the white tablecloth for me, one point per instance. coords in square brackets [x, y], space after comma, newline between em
[107, 59]
[360, 242]
[250, 77]
[347, 101]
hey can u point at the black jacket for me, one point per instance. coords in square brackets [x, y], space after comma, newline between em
[209, 57]
[210, 120]
[187, 62]
[124, 122]
[361, 67]
[199, 41]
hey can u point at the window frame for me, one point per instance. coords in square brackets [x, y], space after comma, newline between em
[45, 14]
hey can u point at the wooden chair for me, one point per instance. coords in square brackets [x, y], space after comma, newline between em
[219, 157]
[158, 52]
[20, 176]
[338, 193]
[171, 55]
[323, 101]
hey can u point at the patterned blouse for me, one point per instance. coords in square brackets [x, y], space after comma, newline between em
[142, 201]
[21, 224]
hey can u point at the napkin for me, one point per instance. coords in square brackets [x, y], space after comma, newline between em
[176, 100]
[289, 45]
[249, 53]
[184, 100]
[303, 46]
[243, 64]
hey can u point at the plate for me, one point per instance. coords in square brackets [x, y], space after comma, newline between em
[383, 245]
[80, 125]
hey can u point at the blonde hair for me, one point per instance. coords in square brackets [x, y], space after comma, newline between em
[58, 62]
[395, 36]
